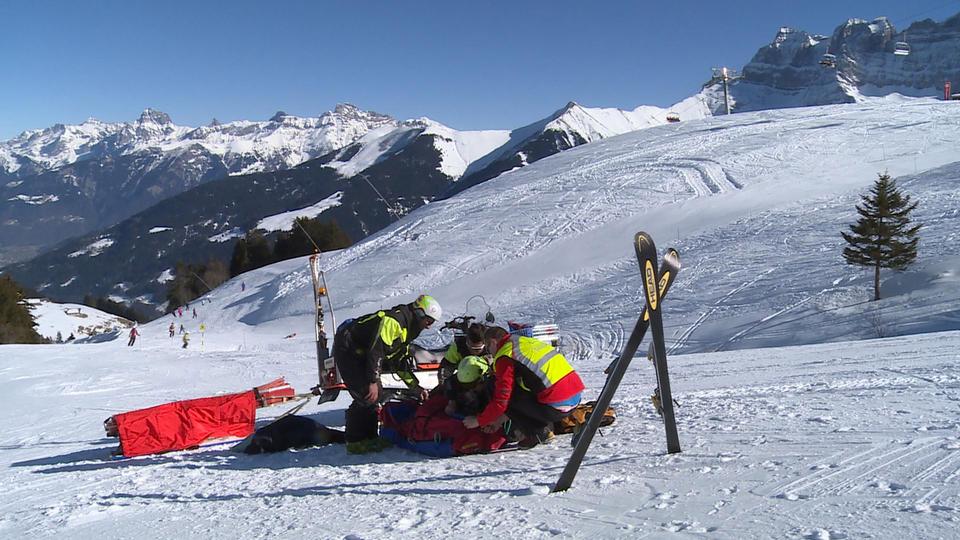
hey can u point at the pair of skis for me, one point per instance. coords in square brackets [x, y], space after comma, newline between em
[656, 283]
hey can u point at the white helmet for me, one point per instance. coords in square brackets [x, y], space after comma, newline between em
[427, 306]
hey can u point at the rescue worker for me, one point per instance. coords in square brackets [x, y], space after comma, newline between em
[469, 344]
[470, 389]
[368, 345]
[534, 387]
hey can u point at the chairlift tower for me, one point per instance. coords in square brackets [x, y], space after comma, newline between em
[725, 75]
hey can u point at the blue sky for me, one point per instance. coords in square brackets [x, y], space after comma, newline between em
[469, 64]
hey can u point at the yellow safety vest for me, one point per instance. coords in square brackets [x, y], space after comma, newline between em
[540, 358]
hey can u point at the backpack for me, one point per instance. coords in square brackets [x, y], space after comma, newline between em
[578, 416]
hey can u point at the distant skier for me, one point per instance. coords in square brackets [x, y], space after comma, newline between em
[194, 313]
[186, 340]
[133, 336]
[180, 312]
[243, 286]
[172, 329]
[182, 329]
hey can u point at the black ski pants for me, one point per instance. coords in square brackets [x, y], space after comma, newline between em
[529, 415]
[362, 416]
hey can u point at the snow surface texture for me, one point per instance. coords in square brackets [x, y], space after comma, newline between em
[834, 440]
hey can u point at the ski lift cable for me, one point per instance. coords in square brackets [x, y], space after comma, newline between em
[924, 12]
[296, 221]
[390, 208]
[323, 275]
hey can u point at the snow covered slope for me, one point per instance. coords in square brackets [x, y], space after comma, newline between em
[572, 126]
[830, 441]
[755, 203]
[77, 319]
[841, 439]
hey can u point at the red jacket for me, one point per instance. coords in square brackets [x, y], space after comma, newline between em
[504, 367]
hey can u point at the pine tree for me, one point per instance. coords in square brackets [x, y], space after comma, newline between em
[16, 321]
[250, 252]
[328, 236]
[883, 236]
[193, 280]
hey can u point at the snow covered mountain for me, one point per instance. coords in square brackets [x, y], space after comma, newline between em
[455, 150]
[244, 146]
[385, 174]
[572, 126]
[68, 180]
[788, 73]
[836, 439]
[85, 323]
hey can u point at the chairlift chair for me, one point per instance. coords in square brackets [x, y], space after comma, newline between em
[829, 61]
[901, 48]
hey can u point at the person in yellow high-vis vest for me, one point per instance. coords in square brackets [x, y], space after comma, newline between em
[368, 345]
[534, 386]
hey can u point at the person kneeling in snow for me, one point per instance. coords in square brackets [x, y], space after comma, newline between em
[535, 387]
[363, 348]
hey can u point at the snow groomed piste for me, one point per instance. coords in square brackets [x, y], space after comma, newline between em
[193, 423]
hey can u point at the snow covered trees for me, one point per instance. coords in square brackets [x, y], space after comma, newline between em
[883, 236]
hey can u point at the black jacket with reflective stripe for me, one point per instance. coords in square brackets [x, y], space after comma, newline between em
[364, 337]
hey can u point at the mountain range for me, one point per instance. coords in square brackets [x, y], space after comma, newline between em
[788, 72]
[212, 184]
[68, 180]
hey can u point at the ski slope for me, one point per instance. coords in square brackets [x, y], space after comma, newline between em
[802, 426]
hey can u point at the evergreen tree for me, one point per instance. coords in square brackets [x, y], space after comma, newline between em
[16, 321]
[191, 281]
[328, 236]
[115, 308]
[240, 260]
[883, 236]
[251, 251]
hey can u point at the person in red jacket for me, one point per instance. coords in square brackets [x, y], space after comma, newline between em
[534, 387]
